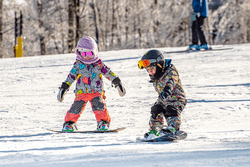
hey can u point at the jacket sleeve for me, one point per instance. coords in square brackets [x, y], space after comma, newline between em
[74, 72]
[170, 82]
[196, 6]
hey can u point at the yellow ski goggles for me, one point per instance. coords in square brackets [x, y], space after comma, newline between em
[145, 63]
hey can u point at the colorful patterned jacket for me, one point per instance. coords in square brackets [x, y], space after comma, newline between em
[171, 79]
[89, 77]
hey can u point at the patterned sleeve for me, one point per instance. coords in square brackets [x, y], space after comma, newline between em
[171, 80]
[105, 70]
[74, 72]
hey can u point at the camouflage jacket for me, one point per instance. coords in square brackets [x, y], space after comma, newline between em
[171, 79]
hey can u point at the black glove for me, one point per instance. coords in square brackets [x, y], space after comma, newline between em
[64, 87]
[116, 82]
[166, 93]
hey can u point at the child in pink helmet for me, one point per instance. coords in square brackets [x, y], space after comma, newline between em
[88, 71]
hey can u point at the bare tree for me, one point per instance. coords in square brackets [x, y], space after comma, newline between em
[98, 32]
[1, 27]
[71, 31]
[41, 27]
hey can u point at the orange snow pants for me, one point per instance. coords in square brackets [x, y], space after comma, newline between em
[97, 104]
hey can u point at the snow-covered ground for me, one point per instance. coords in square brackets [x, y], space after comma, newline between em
[216, 118]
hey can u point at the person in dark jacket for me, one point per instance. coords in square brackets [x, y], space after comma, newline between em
[200, 12]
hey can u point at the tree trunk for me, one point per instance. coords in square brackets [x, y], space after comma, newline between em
[113, 23]
[61, 27]
[1, 28]
[41, 28]
[97, 25]
[71, 32]
[78, 26]
[126, 23]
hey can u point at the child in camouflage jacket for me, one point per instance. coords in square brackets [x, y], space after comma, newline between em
[171, 100]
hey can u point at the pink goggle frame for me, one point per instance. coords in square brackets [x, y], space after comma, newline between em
[85, 53]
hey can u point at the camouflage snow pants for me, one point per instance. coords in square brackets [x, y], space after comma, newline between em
[171, 114]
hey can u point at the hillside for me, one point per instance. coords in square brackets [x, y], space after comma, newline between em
[216, 117]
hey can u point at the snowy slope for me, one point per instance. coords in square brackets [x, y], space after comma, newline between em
[216, 117]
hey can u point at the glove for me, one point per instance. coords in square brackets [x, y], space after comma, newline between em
[118, 85]
[116, 82]
[193, 16]
[62, 92]
[166, 93]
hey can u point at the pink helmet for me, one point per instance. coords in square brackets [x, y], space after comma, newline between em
[87, 44]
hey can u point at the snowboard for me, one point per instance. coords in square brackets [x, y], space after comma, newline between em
[89, 131]
[179, 135]
[192, 51]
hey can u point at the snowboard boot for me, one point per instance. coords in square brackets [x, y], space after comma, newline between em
[155, 126]
[194, 47]
[102, 125]
[69, 126]
[158, 122]
[174, 123]
[204, 46]
[169, 129]
[152, 134]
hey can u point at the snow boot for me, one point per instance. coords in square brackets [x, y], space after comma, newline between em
[169, 129]
[102, 125]
[194, 47]
[152, 134]
[69, 126]
[204, 46]
[155, 127]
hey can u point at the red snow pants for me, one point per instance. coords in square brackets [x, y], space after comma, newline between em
[97, 104]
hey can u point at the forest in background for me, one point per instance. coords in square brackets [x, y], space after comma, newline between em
[55, 26]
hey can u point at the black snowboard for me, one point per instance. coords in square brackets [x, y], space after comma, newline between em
[179, 135]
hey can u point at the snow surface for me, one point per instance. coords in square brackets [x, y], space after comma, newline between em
[216, 118]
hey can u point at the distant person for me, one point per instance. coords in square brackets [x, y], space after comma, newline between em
[171, 100]
[200, 12]
[88, 70]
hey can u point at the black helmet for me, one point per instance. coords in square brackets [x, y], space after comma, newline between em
[154, 56]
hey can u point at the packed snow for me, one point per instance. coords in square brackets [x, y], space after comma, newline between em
[216, 118]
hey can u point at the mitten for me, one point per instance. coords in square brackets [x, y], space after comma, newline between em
[118, 84]
[193, 16]
[62, 92]
[166, 93]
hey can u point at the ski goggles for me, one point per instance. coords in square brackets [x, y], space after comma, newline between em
[84, 53]
[145, 63]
